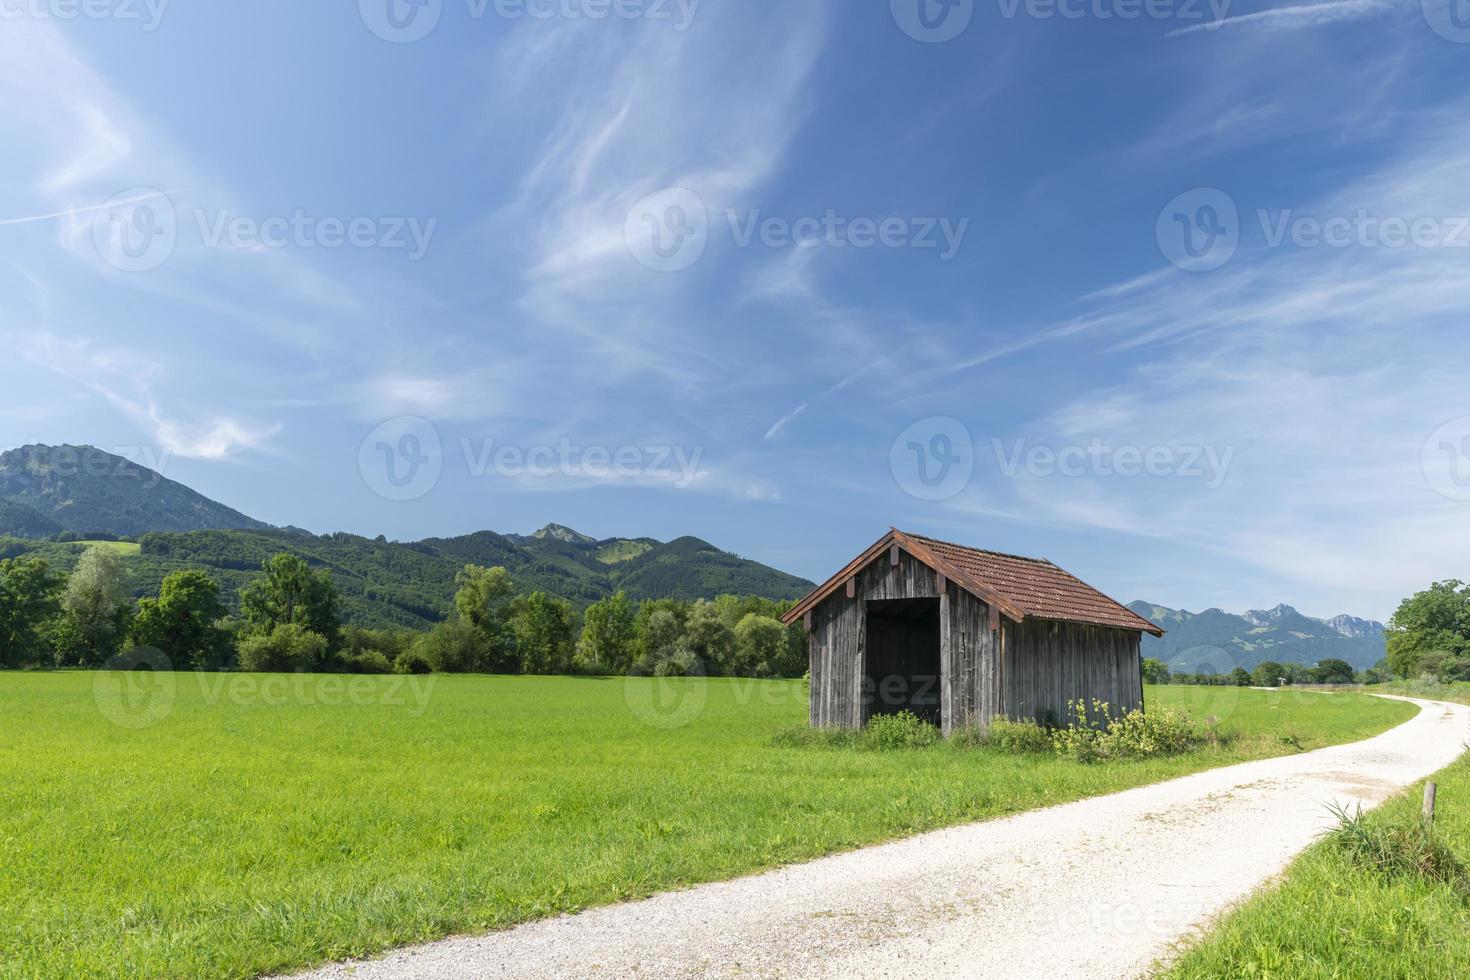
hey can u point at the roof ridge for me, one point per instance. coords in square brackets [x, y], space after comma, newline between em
[983, 551]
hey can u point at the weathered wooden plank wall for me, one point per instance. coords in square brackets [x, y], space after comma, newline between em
[1049, 663]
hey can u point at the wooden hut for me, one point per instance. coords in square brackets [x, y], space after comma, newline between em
[961, 636]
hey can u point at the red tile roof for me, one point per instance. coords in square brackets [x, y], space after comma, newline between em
[1018, 587]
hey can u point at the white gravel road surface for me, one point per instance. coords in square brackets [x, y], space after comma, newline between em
[1097, 888]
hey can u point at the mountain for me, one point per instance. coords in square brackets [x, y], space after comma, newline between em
[19, 521]
[88, 491]
[411, 584]
[1215, 641]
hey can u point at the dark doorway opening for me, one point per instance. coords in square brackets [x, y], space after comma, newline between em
[902, 663]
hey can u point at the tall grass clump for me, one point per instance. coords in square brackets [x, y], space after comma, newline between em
[1403, 850]
[904, 730]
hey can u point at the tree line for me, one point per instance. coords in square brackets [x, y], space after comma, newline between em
[1268, 673]
[290, 620]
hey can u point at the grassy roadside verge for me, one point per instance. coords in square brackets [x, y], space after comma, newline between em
[229, 825]
[1376, 899]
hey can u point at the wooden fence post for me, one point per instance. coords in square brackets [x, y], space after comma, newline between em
[1430, 792]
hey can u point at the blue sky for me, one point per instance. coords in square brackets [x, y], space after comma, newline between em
[775, 274]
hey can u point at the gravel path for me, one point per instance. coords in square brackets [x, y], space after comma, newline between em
[1097, 888]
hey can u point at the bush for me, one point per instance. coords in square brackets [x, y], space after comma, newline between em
[904, 730]
[288, 647]
[1018, 737]
[1094, 734]
[412, 661]
[453, 647]
[370, 662]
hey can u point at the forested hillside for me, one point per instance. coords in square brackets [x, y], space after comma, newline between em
[386, 584]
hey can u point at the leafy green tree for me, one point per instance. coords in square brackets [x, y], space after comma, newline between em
[97, 607]
[1268, 674]
[29, 598]
[183, 622]
[1437, 619]
[1155, 671]
[483, 598]
[607, 635]
[1333, 671]
[287, 648]
[1240, 677]
[759, 644]
[453, 647]
[657, 628]
[708, 637]
[291, 592]
[544, 633]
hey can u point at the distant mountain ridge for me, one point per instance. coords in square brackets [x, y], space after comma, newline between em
[87, 490]
[45, 491]
[1217, 641]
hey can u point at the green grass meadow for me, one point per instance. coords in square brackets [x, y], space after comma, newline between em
[1336, 916]
[227, 825]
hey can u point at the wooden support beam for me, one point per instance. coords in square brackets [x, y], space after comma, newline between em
[893, 556]
[994, 618]
[807, 619]
[852, 587]
[941, 584]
